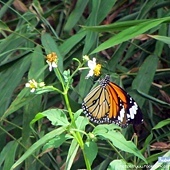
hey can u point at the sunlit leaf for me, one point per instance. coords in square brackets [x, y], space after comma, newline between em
[108, 132]
[164, 39]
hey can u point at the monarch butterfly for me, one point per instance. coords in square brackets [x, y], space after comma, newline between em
[109, 103]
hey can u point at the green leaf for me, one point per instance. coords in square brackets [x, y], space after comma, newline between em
[72, 42]
[5, 7]
[35, 105]
[71, 154]
[90, 149]
[84, 85]
[37, 63]
[55, 142]
[105, 128]
[77, 113]
[36, 118]
[92, 37]
[7, 161]
[145, 8]
[147, 142]
[164, 39]
[154, 157]
[153, 98]
[81, 122]
[161, 165]
[37, 145]
[14, 76]
[95, 18]
[162, 124]
[75, 14]
[117, 165]
[130, 33]
[117, 26]
[105, 8]
[22, 99]
[56, 116]
[115, 59]
[3, 26]
[109, 132]
[36, 4]
[159, 47]
[144, 78]
[8, 48]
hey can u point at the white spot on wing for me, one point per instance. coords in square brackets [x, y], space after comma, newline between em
[133, 110]
[122, 114]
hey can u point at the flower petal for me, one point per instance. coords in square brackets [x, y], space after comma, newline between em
[90, 74]
[54, 64]
[27, 85]
[94, 60]
[91, 64]
[50, 67]
[32, 90]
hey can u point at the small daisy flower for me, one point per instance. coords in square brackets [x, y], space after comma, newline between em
[94, 68]
[51, 60]
[33, 85]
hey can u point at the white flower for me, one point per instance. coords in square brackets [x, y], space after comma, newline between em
[32, 84]
[94, 68]
[51, 60]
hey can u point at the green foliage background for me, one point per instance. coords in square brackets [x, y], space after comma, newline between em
[131, 41]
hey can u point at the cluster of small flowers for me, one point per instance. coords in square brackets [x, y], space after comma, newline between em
[52, 59]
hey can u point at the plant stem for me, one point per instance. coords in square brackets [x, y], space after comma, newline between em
[76, 134]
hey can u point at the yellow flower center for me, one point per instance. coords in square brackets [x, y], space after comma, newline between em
[33, 85]
[52, 57]
[97, 70]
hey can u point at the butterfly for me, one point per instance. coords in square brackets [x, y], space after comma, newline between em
[109, 103]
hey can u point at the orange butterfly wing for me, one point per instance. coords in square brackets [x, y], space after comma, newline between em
[109, 103]
[127, 110]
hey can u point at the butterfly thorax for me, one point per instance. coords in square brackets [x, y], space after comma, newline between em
[104, 82]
